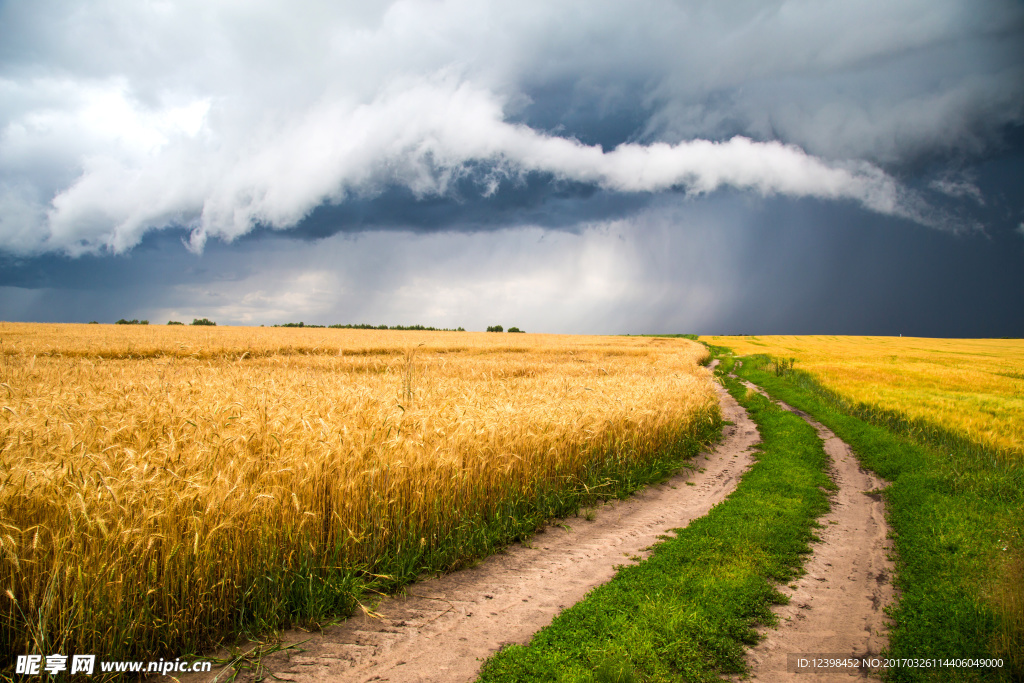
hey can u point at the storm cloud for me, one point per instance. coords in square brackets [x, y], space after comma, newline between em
[744, 166]
[120, 117]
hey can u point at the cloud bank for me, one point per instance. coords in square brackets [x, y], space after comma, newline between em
[121, 118]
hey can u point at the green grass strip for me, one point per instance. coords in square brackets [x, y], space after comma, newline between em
[957, 522]
[688, 611]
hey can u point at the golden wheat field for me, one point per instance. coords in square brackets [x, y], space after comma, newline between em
[972, 386]
[163, 486]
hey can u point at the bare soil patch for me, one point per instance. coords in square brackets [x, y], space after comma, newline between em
[443, 628]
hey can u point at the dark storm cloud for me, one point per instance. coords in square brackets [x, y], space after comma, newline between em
[741, 166]
[731, 264]
[536, 200]
[120, 118]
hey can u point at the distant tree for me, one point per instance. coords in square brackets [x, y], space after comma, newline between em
[122, 321]
[364, 326]
[202, 321]
[495, 328]
[515, 329]
[174, 322]
[94, 322]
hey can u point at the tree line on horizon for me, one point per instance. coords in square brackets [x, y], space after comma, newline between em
[133, 321]
[347, 326]
[365, 326]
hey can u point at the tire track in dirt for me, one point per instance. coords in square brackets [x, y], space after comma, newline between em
[837, 607]
[443, 628]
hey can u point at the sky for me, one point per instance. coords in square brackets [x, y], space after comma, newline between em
[713, 167]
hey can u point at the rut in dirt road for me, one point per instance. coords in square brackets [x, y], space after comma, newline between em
[837, 607]
[445, 627]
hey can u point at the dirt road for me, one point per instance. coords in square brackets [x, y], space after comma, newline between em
[836, 608]
[445, 627]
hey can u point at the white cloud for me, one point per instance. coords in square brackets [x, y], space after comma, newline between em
[291, 298]
[958, 188]
[123, 117]
[152, 172]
